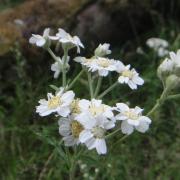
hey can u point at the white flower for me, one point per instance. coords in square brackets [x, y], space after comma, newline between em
[60, 103]
[132, 119]
[155, 43]
[39, 40]
[67, 40]
[175, 57]
[158, 45]
[94, 131]
[95, 108]
[102, 50]
[130, 77]
[162, 52]
[70, 128]
[100, 64]
[165, 68]
[57, 67]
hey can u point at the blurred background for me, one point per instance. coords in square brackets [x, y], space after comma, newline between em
[27, 141]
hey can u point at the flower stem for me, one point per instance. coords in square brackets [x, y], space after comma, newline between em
[90, 84]
[98, 86]
[107, 90]
[52, 54]
[113, 133]
[120, 140]
[159, 102]
[175, 96]
[75, 79]
[64, 67]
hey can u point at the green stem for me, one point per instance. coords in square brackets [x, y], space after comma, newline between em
[159, 102]
[107, 90]
[64, 67]
[90, 84]
[113, 133]
[98, 86]
[120, 140]
[75, 79]
[175, 96]
[52, 54]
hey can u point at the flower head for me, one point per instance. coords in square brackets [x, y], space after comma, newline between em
[58, 103]
[102, 50]
[130, 77]
[39, 40]
[67, 40]
[70, 129]
[158, 45]
[95, 108]
[132, 119]
[93, 135]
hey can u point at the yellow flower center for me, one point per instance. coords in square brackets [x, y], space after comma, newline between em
[76, 128]
[96, 110]
[131, 115]
[54, 102]
[127, 73]
[103, 62]
[75, 106]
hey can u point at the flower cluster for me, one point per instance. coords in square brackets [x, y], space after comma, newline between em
[169, 70]
[84, 121]
[160, 46]
[103, 65]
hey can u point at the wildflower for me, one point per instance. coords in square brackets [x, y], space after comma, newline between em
[130, 77]
[57, 67]
[95, 108]
[102, 50]
[39, 40]
[175, 57]
[158, 45]
[132, 119]
[94, 131]
[67, 40]
[165, 68]
[59, 103]
[70, 129]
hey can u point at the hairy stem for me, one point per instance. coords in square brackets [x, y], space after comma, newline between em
[75, 79]
[64, 67]
[108, 90]
[98, 86]
[90, 85]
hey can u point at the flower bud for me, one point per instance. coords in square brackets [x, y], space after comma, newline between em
[172, 82]
[102, 50]
[165, 69]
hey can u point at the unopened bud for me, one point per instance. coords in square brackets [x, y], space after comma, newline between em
[102, 50]
[172, 82]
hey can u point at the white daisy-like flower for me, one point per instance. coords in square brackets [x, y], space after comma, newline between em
[67, 40]
[102, 50]
[93, 135]
[155, 43]
[39, 40]
[158, 45]
[175, 57]
[130, 77]
[132, 118]
[70, 129]
[95, 108]
[57, 67]
[100, 64]
[59, 103]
